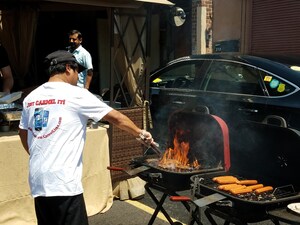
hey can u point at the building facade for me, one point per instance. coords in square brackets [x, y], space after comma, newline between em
[245, 26]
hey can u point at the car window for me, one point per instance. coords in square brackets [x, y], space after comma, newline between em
[276, 86]
[181, 75]
[224, 76]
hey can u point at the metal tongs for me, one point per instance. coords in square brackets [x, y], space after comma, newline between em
[154, 146]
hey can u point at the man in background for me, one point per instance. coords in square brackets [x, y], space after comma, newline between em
[7, 79]
[83, 57]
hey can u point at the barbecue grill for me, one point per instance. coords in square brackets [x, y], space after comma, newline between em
[264, 152]
[207, 140]
[269, 154]
[242, 208]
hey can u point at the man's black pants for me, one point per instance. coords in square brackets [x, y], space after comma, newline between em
[61, 210]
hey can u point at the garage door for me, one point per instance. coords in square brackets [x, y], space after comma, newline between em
[275, 26]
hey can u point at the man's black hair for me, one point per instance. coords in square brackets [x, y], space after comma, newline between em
[76, 32]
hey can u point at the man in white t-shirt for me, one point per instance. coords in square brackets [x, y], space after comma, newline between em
[53, 131]
[83, 57]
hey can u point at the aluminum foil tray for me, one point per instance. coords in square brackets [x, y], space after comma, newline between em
[6, 99]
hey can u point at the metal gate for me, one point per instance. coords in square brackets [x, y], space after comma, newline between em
[130, 31]
[275, 26]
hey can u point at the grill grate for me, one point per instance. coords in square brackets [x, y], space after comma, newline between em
[207, 183]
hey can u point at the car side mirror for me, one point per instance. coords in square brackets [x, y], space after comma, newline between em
[177, 16]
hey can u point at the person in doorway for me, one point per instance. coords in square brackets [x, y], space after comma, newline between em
[83, 57]
[7, 79]
[52, 130]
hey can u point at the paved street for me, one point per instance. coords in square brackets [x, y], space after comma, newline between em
[139, 212]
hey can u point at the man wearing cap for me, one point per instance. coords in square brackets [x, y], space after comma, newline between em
[53, 131]
[83, 57]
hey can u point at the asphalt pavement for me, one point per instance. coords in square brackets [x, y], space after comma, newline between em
[139, 212]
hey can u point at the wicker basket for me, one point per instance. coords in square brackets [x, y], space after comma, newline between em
[123, 146]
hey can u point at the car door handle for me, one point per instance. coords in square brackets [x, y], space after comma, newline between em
[178, 102]
[248, 110]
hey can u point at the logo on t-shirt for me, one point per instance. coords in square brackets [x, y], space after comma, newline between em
[40, 118]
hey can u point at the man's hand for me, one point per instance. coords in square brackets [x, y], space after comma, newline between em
[146, 137]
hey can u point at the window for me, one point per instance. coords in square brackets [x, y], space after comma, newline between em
[180, 76]
[276, 86]
[224, 76]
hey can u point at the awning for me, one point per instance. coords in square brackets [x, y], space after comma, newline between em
[99, 3]
[112, 3]
[164, 2]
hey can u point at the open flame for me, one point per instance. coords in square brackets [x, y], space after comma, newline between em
[177, 158]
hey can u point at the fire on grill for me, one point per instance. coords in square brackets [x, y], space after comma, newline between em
[177, 158]
[195, 147]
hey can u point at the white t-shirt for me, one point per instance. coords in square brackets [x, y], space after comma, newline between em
[55, 115]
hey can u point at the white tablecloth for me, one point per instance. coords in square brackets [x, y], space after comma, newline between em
[16, 203]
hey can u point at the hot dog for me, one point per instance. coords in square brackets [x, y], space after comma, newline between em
[234, 186]
[239, 191]
[226, 186]
[256, 186]
[247, 182]
[263, 189]
[225, 179]
[222, 177]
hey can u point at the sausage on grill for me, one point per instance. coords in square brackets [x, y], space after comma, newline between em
[225, 179]
[263, 189]
[247, 182]
[255, 186]
[226, 186]
[239, 191]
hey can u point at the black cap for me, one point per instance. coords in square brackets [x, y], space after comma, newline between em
[62, 56]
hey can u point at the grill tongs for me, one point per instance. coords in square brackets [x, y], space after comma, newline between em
[139, 169]
[154, 146]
